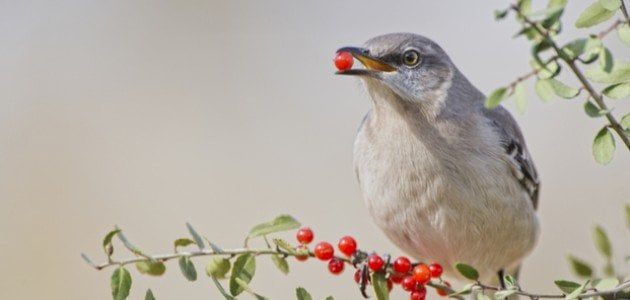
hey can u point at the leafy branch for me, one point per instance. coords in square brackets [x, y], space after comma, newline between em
[542, 29]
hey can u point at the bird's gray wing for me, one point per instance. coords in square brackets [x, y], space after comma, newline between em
[514, 144]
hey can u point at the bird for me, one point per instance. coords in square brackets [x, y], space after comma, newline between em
[445, 178]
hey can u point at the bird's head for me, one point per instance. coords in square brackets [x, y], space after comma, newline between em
[412, 66]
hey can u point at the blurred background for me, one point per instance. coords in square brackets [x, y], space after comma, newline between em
[224, 114]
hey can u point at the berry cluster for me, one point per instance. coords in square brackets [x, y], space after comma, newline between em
[412, 278]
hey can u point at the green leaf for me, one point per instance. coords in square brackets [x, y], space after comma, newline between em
[482, 296]
[467, 271]
[617, 91]
[549, 71]
[605, 59]
[580, 267]
[602, 242]
[520, 98]
[619, 73]
[244, 268]
[624, 34]
[581, 46]
[605, 283]
[603, 146]
[592, 110]
[510, 282]
[182, 242]
[120, 283]
[593, 15]
[280, 223]
[496, 97]
[245, 286]
[302, 294]
[195, 236]
[129, 245]
[625, 123]
[545, 90]
[465, 290]
[149, 267]
[222, 290]
[87, 260]
[501, 295]
[500, 14]
[149, 295]
[611, 5]
[281, 263]
[218, 267]
[107, 242]
[567, 286]
[187, 268]
[577, 292]
[330, 298]
[284, 245]
[562, 89]
[380, 286]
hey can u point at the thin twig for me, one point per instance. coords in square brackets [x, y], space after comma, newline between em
[613, 291]
[624, 11]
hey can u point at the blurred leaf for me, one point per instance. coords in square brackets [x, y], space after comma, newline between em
[520, 97]
[280, 223]
[195, 236]
[500, 14]
[544, 89]
[611, 5]
[107, 242]
[567, 286]
[129, 245]
[603, 146]
[187, 268]
[562, 89]
[592, 110]
[245, 286]
[510, 282]
[624, 34]
[496, 97]
[218, 267]
[581, 46]
[602, 242]
[625, 123]
[302, 294]
[120, 283]
[380, 286]
[501, 295]
[153, 268]
[281, 263]
[580, 267]
[605, 59]
[619, 73]
[538, 48]
[182, 242]
[467, 271]
[149, 295]
[525, 6]
[552, 69]
[284, 245]
[482, 296]
[244, 268]
[330, 298]
[617, 91]
[609, 270]
[530, 33]
[578, 291]
[593, 15]
[605, 283]
[87, 260]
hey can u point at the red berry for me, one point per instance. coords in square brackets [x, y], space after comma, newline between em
[421, 273]
[402, 265]
[375, 262]
[347, 245]
[301, 257]
[335, 266]
[418, 294]
[324, 251]
[409, 283]
[305, 235]
[343, 61]
[442, 292]
[436, 270]
[397, 278]
[390, 285]
[357, 277]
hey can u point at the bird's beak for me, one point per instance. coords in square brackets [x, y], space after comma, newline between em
[372, 64]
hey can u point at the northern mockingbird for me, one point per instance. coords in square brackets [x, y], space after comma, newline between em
[445, 178]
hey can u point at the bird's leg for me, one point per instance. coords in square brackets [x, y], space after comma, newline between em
[363, 281]
[501, 275]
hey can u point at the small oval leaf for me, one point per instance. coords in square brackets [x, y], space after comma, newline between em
[496, 97]
[379, 282]
[187, 268]
[603, 146]
[544, 90]
[302, 294]
[619, 73]
[593, 15]
[624, 34]
[149, 295]
[153, 268]
[120, 283]
[280, 263]
[562, 89]
[602, 242]
[182, 242]
[520, 97]
[196, 236]
[567, 286]
[280, 223]
[218, 267]
[467, 271]
[107, 242]
[611, 5]
[617, 91]
[580, 267]
[244, 268]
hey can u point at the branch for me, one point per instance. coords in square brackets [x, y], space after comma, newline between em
[619, 288]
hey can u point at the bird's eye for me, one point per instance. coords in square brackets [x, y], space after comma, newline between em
[411, 57]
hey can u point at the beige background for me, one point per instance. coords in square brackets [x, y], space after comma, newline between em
[149, 114]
